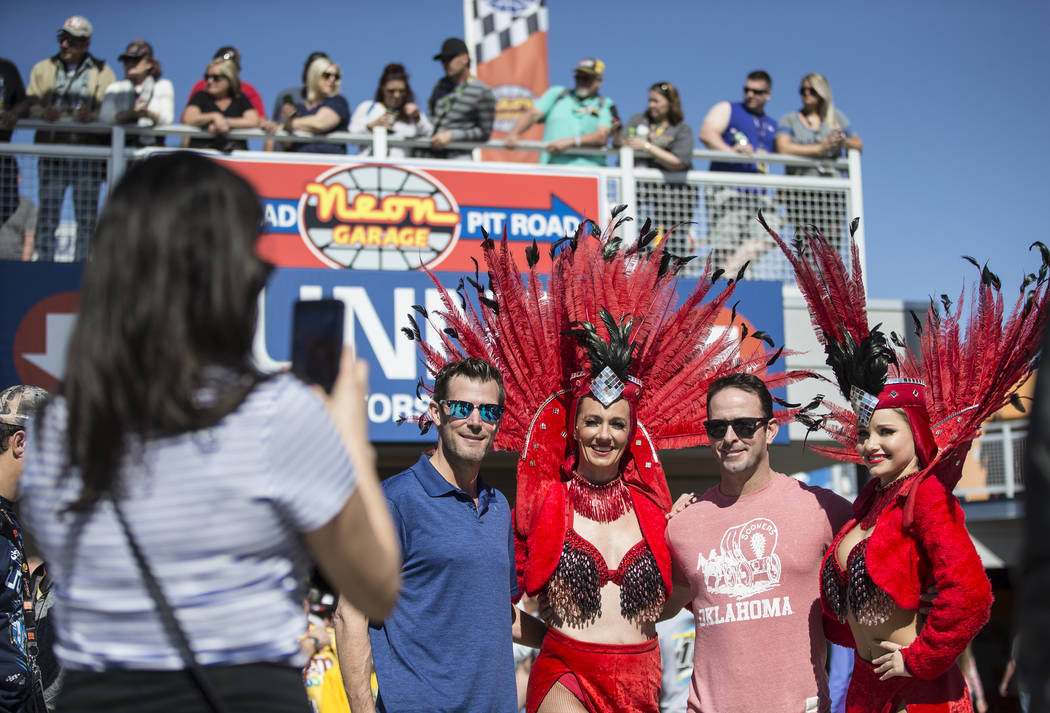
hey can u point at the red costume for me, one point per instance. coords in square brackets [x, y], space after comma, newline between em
[918, 536]
[605, 325]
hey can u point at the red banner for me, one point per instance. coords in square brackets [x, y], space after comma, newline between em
[377, 216]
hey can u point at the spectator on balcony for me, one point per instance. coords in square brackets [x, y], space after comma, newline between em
[463, 107]
[817, 130]
[68, 85]
[572, 118]
[12, 96]
[666, 143]
[18, 232]
[294, 94]
[741, 127]
[324, 111]
[142, 97]
[393, 108]
[231, 53]
[220, 107]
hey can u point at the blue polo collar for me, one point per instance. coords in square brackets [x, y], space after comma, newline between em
[436, 486]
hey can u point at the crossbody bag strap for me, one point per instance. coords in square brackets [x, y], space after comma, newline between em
[167, 615]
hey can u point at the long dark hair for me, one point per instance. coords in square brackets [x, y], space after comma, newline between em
[395, 70]
[167, 312]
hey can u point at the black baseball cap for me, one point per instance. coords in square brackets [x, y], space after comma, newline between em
[452, 47]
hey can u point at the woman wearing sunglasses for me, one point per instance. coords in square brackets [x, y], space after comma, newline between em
[914, 418]
[324, 110]
[393, 108]
[664, 141]
[817, 130]
[600, 370]
[221, 106]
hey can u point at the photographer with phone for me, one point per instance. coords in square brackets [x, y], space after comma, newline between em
[393, 108]
[177, 492]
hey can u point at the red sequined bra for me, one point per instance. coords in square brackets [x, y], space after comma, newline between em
[852, 589]
[574, 589]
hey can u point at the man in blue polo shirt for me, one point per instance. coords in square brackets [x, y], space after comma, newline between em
[447, 644]
[572, 117]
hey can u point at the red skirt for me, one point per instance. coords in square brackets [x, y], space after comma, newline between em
[611, 677]
[867, 694]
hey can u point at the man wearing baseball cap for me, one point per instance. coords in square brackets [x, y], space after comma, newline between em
[572, 117]
[69, 84]
[17, 658]
[142, 98]
[462, 107]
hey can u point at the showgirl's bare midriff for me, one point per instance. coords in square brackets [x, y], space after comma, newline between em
[613, 540]
[903, 625]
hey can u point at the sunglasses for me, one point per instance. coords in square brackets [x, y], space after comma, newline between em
[803, 91]
[332, 75]
[71, 39]
[490, 413]
[213, 77]
[395, 90]
[752, 90]
[742, 427]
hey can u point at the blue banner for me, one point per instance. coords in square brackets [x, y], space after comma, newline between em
[41, 299]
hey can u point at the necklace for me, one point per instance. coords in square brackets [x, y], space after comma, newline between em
[603, 502]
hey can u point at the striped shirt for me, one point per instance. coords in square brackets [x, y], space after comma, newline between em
[467, 109]
[219, 514]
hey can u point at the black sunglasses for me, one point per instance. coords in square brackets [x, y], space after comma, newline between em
[332, 75]
[803, 91]
[742, 427]
[490, 413]
[752, 90]
[214, 77]
[72, 39]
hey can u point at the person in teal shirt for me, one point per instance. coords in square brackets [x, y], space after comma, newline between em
[572, 118]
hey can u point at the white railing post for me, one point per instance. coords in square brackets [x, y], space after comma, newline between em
[116, 166]
[856, 199]
[628, 193]
[379, 145]
[1008, 459]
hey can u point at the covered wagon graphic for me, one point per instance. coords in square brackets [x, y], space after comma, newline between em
[746, 563]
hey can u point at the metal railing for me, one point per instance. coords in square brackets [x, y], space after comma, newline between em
[1001, 455]
[714, 211]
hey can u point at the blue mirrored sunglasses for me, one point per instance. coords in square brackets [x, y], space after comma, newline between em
[462, 409]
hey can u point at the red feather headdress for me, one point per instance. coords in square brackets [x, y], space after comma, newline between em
[971, 363]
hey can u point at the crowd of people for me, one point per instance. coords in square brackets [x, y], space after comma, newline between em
[178, 495]
[77, 85]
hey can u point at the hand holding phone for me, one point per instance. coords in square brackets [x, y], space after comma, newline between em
[317, 341]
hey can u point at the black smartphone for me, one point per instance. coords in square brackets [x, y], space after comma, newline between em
[317, 341]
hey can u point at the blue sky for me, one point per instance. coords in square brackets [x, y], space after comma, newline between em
[946, 96]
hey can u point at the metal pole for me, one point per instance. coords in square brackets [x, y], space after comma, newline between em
[116, 157]
[1008, 459]
[628, 193]
[856, 199]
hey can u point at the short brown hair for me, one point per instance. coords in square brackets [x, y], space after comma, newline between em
[745, 382]
[473, 368]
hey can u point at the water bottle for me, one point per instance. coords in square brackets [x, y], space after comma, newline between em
[739, 138]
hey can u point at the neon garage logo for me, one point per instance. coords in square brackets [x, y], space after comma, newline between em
[378, 217]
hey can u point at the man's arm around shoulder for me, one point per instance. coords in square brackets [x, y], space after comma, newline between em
[355, 656]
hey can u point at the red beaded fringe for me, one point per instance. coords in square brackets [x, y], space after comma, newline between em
[605, 502]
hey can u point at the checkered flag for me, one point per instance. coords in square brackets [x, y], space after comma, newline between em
[502, 24]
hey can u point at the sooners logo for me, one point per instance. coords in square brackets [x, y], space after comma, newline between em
[378, 217]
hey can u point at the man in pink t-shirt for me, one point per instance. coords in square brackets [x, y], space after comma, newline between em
[750, 550]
